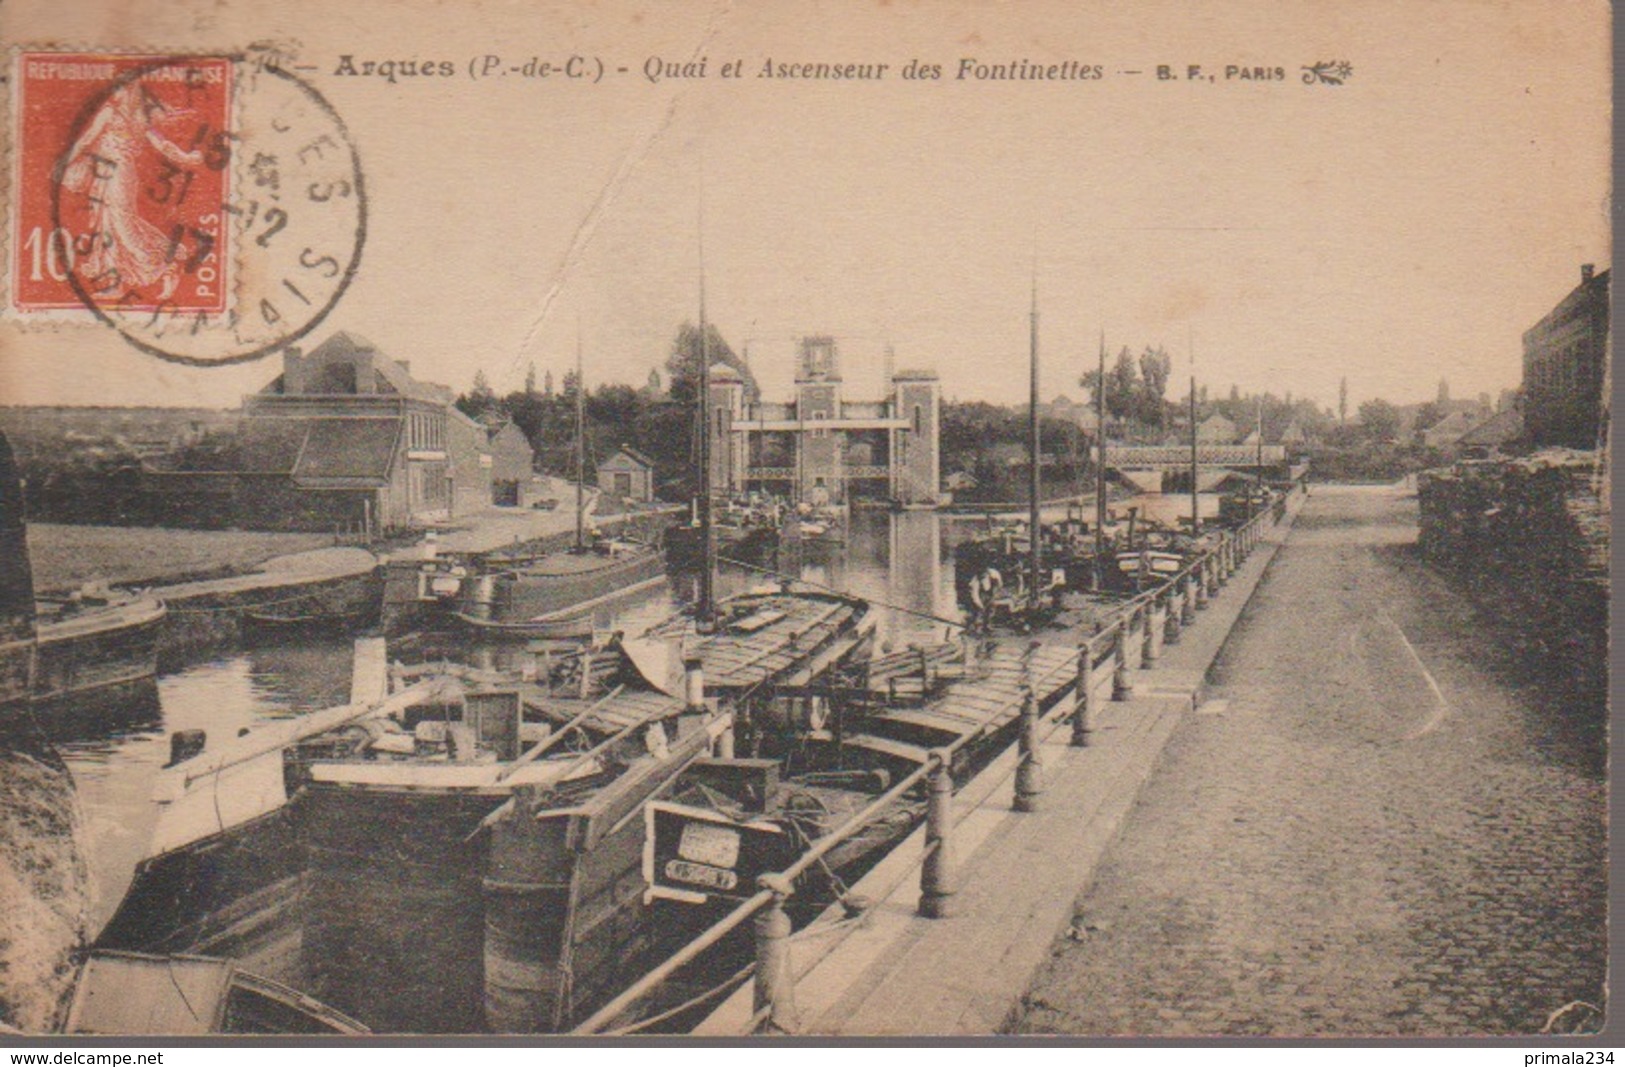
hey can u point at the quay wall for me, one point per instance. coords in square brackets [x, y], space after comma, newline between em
[205, 617]
[204, 621]
[1530, 537]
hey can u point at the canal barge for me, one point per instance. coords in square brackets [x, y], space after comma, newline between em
[224, 866]
[553, 595]
[499, 822]
[511, 828]
[95, 640]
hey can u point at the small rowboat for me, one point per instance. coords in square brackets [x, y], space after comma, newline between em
[127, 993]
[562, 624]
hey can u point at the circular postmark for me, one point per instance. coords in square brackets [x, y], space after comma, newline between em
[210, 209]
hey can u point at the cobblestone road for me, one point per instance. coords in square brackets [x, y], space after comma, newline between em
[1381, 822]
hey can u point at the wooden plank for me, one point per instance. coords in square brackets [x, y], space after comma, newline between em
[934, 719]
[886, 746]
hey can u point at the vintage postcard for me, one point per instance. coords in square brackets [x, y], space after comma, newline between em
[837, 519]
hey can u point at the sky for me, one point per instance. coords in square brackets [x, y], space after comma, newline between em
[1405, 226]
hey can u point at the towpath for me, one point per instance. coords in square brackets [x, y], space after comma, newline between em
[1383, 820]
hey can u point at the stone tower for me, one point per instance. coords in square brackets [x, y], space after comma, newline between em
[916, 468]
[724, 408]
[822, 474]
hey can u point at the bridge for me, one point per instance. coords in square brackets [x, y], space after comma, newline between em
[1179, 456]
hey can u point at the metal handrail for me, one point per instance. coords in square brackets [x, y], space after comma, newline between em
[1149, 596]
[775, 888]
[635, 992]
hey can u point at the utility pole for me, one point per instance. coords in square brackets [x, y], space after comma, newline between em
[707, 604]
[1261, 438]
[1100, 466]
[1196, 509]
[581, 443]
[1036, 537]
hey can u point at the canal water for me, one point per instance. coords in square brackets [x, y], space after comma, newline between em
[901, 561]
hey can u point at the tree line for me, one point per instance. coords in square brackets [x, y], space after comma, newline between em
[987, 441]
[657, 419]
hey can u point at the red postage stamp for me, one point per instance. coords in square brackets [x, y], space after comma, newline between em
[121, 172]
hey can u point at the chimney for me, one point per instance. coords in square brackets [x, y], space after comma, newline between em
[1587, 270]
[293, 381]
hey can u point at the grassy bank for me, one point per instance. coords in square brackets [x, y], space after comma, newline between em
[65, 557]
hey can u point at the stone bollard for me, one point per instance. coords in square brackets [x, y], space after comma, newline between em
[1083, 691]
[1029, 772]
[1212, 576]
[775, 978]
[1152, 650]
[1170, 633]
[936, 873]
[1199, 581]
[1187, 600]
[1122, 681]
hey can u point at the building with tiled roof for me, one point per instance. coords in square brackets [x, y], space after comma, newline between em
[358, 442]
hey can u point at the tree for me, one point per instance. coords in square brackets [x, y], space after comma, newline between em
[1428, 414]
[613, 406]
[682, 364]
[665, 432]
[534, 417]
[1343, 402]
[478, 400]
[530, 379]
[1379, 419]
[1155, 367]
[1090, 380]
[1122, 387]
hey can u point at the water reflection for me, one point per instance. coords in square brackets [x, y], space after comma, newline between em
[117, 747]
[114, 770]
[901, 562]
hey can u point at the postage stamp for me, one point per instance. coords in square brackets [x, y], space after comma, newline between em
[210, 209]
[122, 165]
